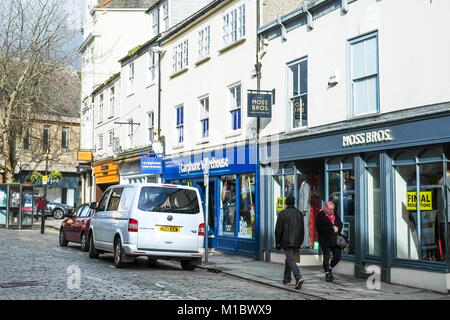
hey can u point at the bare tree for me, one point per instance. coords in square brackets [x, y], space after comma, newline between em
[32, 60]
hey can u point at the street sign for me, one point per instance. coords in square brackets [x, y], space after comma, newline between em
[44, 179]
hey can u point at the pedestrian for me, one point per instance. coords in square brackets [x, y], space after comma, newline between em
[329, 225]
[289, 233]
[40, 206]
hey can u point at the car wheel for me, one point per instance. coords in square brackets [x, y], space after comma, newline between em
[58, 214]
[118, 254]
[62, 239]
[84, 242]
[93, 253]
[187, 265]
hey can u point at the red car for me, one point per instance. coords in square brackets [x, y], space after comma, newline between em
[75, 226]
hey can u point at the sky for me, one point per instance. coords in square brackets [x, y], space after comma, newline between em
[75, 8]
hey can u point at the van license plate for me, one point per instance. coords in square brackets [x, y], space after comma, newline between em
[169, 229]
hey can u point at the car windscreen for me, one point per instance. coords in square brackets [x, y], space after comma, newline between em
[164, 199]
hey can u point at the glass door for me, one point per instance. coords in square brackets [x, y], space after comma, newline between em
[3, 205]
[27, 206]
[14, 205]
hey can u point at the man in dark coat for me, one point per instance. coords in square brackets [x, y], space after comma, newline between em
[329, 225]
[289, 232]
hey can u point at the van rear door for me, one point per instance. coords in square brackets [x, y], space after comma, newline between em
[168, 219]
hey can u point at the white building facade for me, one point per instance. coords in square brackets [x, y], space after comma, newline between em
[361, 115]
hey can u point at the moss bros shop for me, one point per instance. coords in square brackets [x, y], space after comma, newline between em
[390, 185]
[233, 212]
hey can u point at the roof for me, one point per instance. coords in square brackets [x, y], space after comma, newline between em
[126, 4]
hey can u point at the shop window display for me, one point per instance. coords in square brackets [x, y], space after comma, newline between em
[373, 211]
[247, 207]
[227, 218]
[420, 216]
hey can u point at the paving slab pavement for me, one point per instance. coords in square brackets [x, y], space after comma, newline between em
[344, 287]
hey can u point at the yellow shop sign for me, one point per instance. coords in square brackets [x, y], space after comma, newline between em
[426, 201]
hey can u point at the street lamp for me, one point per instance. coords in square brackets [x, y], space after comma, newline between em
[47, 152]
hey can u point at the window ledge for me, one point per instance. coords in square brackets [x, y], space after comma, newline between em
[150, 84]
[176, 74]
[203, 60]
[233, 134]
[202, 141]
[232, 45]
[178, 146]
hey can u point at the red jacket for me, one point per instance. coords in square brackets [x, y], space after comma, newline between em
[40, 203]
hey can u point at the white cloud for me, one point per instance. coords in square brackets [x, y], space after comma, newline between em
[75, 9]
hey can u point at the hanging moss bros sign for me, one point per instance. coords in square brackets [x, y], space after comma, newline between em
[370, 137]
[259, 105]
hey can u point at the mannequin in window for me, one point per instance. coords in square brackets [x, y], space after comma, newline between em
[304, 205]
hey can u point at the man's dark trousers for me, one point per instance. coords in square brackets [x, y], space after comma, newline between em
[326, 257]
[291, 265]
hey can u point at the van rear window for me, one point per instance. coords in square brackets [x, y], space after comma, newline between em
[160, 199]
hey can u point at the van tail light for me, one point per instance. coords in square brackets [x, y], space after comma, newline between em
[201, 229]
[132, 225]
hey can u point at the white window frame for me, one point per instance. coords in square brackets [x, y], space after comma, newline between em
[181, 56]
[112, 101]
[151, 125]
[100, 107]
[204, 115]
[234, 106]
[111, 138]
[151, 72]
[165, 16]
[100, 141]
[131, 74]
[155, 22]
[365, 77]
[299, 95]
[234, 25]
[179, 125]
[204, 42]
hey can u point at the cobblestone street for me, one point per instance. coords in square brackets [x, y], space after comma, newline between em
[34, 266]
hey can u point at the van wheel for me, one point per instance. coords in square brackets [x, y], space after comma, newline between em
[84, 243]
[187, 265]
[93, 253]
[118, 254]
[62, 239]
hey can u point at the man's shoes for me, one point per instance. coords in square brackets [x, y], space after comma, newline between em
[299, 284]
[329, 277]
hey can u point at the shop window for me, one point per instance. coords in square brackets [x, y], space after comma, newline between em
[341, 190]
[373, 202]
[247, 214]
[421, 211]
[227, 217]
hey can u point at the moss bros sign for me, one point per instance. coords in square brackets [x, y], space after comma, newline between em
[259, 104]
[365, 138]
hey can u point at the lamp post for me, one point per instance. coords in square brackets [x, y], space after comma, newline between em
[47, 151]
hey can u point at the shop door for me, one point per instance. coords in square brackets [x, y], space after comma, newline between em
[3, 205]
[14, 206]
[200, 185]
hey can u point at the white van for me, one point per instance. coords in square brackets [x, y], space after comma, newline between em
[160, 221]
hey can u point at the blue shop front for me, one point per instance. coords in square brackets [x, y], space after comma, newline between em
[233, 213]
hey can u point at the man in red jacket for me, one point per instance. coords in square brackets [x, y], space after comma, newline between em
[40, 206]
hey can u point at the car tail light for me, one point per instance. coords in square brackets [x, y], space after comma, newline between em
[132, 225]
[201, 229]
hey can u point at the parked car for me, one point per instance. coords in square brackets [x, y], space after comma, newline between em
[75, 227]
[55, 209]
[159, 221]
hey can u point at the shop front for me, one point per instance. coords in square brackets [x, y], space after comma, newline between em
[141, 169]
[390, 185]
[233, 213]
[106, 174]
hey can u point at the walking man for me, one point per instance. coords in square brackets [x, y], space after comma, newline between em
[328, 225]
[289, 233]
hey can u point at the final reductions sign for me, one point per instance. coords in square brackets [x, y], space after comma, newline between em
[259, 104]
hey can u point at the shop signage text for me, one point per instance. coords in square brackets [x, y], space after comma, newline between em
[151, 165]
[426, 201]
[369, 137]
[201, 165]
[259, 105]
